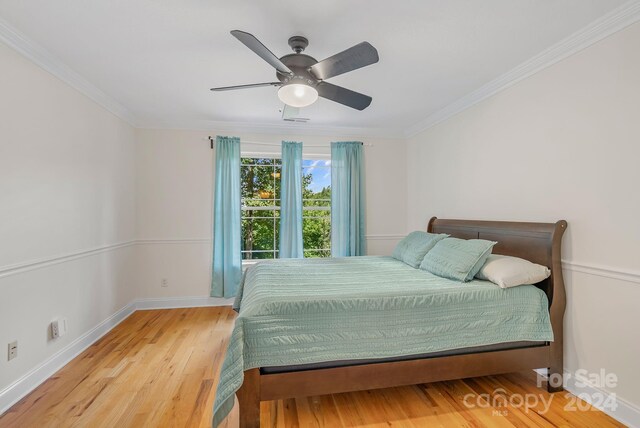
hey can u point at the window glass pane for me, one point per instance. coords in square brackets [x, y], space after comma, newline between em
[247, 161]
[259, 233]
[316, 213]
[316, 233]
[316, 179]
[258, 182]
[311, 163]
[260, 220]
[317, 204]
[259, 161]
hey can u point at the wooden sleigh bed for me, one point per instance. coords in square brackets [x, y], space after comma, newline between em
[537, 242]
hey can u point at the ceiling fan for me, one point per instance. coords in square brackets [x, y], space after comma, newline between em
[301, 78]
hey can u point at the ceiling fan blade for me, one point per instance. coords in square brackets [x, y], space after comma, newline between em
[263, 52]
[344, 96]
[355, 57]
[252, 85]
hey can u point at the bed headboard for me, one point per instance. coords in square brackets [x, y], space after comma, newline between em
[537, 242]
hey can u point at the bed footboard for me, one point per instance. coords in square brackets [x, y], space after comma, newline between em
[263, 387]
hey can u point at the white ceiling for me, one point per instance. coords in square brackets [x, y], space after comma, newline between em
[158, 58]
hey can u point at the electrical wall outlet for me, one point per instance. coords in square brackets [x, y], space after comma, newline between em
[164, 282]
[58, 327]
[55, 329]
[13, 350]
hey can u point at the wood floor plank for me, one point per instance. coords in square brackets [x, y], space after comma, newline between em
[159, 368]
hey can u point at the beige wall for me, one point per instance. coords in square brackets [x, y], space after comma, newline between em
[175, 189]
[564, 143]
[67, 187]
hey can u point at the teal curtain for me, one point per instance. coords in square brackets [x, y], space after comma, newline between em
[347, 200]
[291, 201]
[227, 259]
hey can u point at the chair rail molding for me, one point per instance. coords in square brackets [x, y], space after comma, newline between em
[385, 237]
[62, 258]
[616, 273]
[603, 271]
[151, 241]
[174, 241]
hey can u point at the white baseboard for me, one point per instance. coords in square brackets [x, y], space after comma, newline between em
[181, 302]
[27, 383]
[30, 381]
[625, 412]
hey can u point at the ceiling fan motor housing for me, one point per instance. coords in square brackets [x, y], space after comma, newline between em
[299, 65]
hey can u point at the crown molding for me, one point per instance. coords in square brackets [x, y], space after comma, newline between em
[274, 128]
[45, 60]
[608, 24]
[41, 57]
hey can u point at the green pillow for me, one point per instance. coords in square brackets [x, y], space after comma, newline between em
[457, 259]
[413, 247]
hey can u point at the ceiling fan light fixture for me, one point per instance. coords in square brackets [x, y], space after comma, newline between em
[298, 94]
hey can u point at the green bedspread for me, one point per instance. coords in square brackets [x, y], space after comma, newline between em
[295, 311]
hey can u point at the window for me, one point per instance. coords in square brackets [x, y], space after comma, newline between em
[260, 182]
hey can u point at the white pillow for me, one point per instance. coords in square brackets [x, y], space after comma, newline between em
[507, 271]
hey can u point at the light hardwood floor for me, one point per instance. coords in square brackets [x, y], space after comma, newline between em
[159, 369]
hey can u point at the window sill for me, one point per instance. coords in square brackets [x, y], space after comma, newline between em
[247, 263]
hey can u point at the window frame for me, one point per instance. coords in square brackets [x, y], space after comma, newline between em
[276, 204]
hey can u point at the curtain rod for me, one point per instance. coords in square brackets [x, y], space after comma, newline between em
[259, 143]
